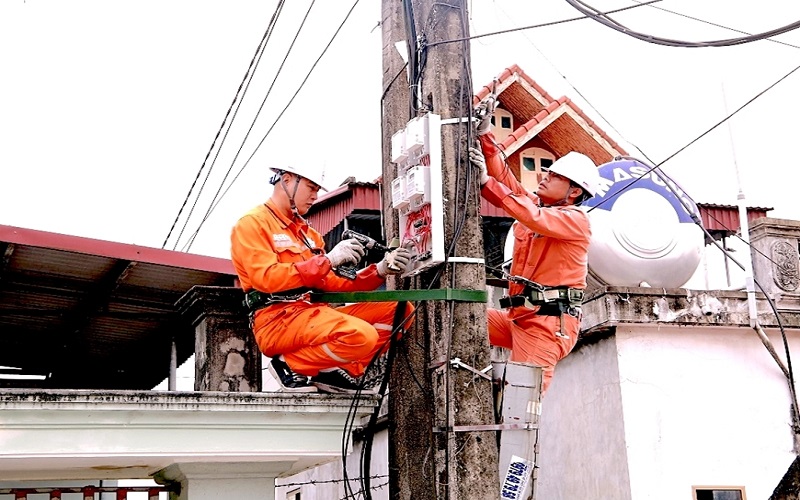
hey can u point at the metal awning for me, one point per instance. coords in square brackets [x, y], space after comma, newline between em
[80, 313]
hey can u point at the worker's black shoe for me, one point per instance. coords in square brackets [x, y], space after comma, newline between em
[338, 381]
[289, 380]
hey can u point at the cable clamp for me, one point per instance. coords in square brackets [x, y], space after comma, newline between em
[467, 260]
[448, 121]
[456, 363]
[528, 426]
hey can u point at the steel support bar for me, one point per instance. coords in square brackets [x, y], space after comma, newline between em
[459, 295]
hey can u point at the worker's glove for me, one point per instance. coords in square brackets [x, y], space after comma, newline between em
[395, 262]
[346, 252]
[484, 111]
[478, 160]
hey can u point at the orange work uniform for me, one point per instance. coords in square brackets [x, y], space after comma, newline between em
[551, 247]
[273, 253]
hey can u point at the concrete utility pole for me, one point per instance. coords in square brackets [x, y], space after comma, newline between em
[436, 400]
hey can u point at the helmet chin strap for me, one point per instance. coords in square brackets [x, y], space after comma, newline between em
[291, 195]
[561, 203]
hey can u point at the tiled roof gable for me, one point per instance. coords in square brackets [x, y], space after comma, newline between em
[519, 94]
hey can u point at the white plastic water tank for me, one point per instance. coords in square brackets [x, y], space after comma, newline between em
[642, 232]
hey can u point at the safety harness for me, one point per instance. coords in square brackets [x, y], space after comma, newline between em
[552, 301]
[255, 300]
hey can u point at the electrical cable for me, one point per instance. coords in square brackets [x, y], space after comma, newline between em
[321, 481]
[790, 376]
[258, 112]
[759, 252]
[541, 25]
[605, 20]
[264, 39]
[669, 183]
[415, 84]
[460, 218]
[366, 447]
[258, 146]
[716, 25]
[412, 45]
[723, 120]
[219, 150]
[397, 329]
[573, 87]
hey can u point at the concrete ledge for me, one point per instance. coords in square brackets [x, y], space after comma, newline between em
[133, 434]
[609, 306]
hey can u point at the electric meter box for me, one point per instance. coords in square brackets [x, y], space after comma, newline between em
[417, 192]
[399, 154]
[418, 185]
[399, 199]
[416, 133]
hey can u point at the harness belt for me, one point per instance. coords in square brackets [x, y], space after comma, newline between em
[552, 301]
[255, 300]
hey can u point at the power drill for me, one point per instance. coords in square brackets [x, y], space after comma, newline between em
[349, 270]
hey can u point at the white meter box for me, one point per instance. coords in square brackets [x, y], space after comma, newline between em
[399, 198]
[421, 205]
[417, 135]
[418, 185]
[399, 154]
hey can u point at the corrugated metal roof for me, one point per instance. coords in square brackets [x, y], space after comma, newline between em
[333, 207]
[346, 200]
[724, 219]
[95, 314]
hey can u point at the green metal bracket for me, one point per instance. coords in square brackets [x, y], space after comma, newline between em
[459, 295]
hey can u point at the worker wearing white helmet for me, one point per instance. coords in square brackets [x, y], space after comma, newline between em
[579, 169]
[540, 317]
[291, 183]
[279, 260]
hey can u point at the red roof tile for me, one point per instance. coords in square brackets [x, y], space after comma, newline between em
[514, 72]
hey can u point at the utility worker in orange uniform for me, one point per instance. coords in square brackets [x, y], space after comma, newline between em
[540, 317]
[279, 260]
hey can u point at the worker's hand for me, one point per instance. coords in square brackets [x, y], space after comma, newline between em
[478, 160]
[484, 111]
[395, 262]
[346, 252]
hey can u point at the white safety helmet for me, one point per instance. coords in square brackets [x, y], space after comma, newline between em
[580, 169]
[315, 174]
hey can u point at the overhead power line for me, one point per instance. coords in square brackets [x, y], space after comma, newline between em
[716, 25]
[291, 100]
[542, 25]
[726, 118]
[604, 19]
[255, 118]
[247, 75]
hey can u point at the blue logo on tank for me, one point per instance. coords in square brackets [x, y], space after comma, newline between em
[620, 175]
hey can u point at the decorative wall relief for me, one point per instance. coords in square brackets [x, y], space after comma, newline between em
[786, 264]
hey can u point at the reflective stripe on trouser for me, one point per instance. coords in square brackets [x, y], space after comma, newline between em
[532, 338]
[314, 337]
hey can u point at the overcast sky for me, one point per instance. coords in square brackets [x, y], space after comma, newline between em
[108, 109]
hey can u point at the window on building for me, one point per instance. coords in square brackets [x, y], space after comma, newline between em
[718, 493]
[293, 495]
[503, 124]
[535, 163]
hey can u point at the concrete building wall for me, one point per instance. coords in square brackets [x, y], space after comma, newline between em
[327, 481]
[703, 406]
[656, 409]
[582, 437]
